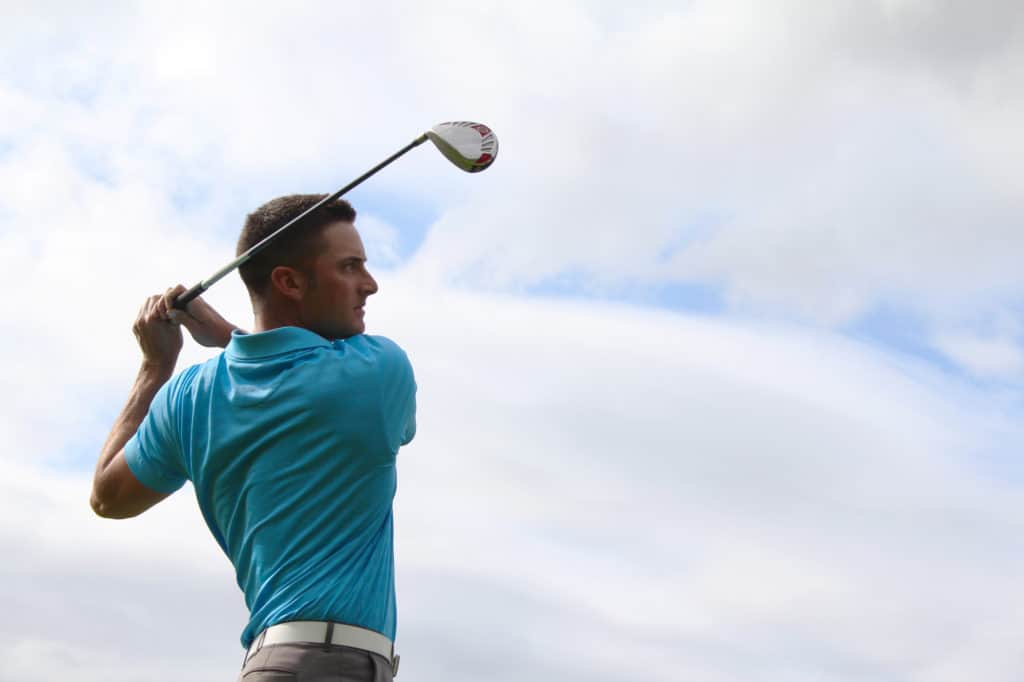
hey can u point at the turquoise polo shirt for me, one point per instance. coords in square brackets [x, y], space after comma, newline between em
[290, 443]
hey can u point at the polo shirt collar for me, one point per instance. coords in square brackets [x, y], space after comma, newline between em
[273, 342]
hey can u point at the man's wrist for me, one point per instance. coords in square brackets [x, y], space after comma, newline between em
[156, 371]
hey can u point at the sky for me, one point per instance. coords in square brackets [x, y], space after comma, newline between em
[720, 365]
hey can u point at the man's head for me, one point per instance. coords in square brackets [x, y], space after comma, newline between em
[312, 276]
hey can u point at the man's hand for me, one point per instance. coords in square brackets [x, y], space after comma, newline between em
[204, 323]
[158, 337]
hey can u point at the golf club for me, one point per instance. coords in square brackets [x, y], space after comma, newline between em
[470, 146]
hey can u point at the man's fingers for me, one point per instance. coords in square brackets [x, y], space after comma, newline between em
[167, 308]
[205, 325]
[171, 295]
[152, 309]
[140, 318]
[154, 303]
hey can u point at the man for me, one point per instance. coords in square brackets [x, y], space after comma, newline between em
[289, 437]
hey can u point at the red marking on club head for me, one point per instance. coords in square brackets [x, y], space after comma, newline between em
[482, 129]
[484, 158]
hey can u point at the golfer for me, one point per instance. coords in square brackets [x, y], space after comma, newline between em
[289, 437]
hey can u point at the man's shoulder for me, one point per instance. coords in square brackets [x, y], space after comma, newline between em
[190, 378]
[376, 344]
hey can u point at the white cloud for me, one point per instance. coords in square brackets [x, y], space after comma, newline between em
[699, 481]
[813, 160]
[834, 177]
[718, 499]
[726, 499]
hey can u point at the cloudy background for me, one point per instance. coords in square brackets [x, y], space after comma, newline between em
[721, 365]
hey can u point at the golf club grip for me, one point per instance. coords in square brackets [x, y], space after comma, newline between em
[188, 296]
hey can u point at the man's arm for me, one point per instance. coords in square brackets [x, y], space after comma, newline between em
[116, 492]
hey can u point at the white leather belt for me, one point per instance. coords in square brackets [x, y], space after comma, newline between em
[320, 632]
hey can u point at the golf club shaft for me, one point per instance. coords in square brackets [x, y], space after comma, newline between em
[198, 289]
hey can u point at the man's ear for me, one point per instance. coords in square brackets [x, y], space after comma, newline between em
[289, 282]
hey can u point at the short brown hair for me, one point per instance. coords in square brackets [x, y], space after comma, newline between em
[297, 246]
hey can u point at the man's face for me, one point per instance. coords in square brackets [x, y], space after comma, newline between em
[333, 303]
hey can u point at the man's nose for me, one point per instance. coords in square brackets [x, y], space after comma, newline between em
[370, 285]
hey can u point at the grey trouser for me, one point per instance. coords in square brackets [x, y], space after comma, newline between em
[311, 662]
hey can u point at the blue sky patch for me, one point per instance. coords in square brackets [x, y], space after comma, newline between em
[689, 297]
[411, 218]
[898, 328]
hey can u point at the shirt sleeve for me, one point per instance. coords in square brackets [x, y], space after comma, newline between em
[399, 396]
[407, 398]
[154, 453]
[410, 412]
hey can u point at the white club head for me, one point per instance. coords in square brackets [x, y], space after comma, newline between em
[470, 146]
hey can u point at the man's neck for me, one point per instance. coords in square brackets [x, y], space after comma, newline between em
[267, 319]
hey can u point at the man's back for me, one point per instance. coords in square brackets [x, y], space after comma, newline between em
[290, 442]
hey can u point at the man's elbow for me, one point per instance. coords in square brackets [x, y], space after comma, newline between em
[99, 507]
[105, 508]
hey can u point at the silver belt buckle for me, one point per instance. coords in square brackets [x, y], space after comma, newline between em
[394, 665]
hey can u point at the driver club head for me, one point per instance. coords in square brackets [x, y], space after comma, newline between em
[470, 146]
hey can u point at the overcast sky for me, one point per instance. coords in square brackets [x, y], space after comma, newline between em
[721, 364]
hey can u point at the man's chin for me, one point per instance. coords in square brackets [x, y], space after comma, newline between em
[354, 329]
